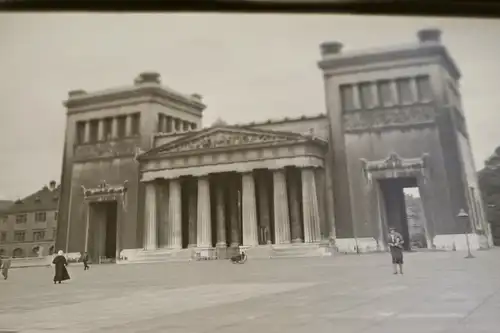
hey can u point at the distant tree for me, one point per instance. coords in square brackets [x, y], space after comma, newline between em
[489, 184]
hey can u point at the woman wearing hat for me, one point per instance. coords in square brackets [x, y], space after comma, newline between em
[396, 242]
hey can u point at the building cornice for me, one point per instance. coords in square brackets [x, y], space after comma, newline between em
[427, 53]
[82, 101]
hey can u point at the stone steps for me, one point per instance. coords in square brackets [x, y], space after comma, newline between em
[296, 251]
[160, 255]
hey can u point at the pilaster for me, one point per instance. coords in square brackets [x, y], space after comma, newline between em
[100, 130]
[114, 127]
[281, 216]
[128, 125]
[86, 133]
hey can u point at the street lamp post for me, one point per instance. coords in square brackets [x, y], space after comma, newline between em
[463, 215]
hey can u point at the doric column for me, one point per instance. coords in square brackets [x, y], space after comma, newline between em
[100, 130]
[174, 215]
[193, 214]
[295, 218]
[250, 230]
[221, 216]
[114, 127]
[177, 124]
[234, 212]
[264, 213]
[281, 216]
[150, 237]
[86, 132]
[128, 125]
[310, 206]
[185, 126]
[204, 232]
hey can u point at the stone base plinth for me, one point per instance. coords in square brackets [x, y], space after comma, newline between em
[359, 245]
[458, 242]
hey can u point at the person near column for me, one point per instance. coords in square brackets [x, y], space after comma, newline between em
[61, 273]
[5, 264]
[396, 246]
[85, 260]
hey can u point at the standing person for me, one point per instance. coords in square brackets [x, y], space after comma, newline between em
[5, 267]
[61, 273]
[85, 260]
[396, 242]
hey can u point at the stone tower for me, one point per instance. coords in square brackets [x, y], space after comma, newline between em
[397, 121]
[105, 130]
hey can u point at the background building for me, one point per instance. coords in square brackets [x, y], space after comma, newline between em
[143, 180]
[28, 226]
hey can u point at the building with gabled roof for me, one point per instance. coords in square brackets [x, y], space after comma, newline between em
[28, 226]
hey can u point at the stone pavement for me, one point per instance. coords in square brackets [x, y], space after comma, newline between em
[440, 292]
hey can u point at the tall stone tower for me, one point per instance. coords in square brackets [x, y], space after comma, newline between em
[104, 132]
[397, 121]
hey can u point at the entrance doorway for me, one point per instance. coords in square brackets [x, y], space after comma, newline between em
[102, 231]
[404, 210]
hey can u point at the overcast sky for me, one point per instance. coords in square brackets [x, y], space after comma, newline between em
[247, 67]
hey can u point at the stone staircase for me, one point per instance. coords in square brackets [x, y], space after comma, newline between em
[288, 251]
[160, 255]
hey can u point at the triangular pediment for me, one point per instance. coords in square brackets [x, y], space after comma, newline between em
[221, 137]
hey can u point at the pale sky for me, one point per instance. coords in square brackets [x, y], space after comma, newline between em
[247, 67]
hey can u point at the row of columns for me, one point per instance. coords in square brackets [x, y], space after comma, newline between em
[169, 124]
[129, 128]
[288, 224]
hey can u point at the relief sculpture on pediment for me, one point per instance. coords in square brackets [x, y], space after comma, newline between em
[224, 140]
[380, 118]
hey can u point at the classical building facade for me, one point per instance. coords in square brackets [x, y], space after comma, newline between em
[143, 180]
[28, 226]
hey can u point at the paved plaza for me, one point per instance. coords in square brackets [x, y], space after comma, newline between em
[440, 292]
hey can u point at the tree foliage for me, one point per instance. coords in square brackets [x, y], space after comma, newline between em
[489, 183]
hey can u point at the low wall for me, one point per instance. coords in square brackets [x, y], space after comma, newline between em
[31, 262]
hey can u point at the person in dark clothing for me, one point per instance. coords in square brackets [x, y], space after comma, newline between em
[396, 242]
[85, 260]
[5, 265]
[61, 273]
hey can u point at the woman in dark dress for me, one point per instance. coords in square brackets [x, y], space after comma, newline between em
[396, 245]
[61, 273]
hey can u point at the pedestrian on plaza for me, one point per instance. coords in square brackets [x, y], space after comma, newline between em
[61, 273]
[396, 242]
[85, 260]
[5, 264]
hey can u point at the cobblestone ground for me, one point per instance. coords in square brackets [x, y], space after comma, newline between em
[440, 292]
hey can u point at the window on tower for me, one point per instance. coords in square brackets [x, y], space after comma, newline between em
[122, 121]
[80, 132]
[94, 129]
[404, 91]
[108, 128]
[424, 88]
[347, 97]
[367, 100]
[136, 120]
[386, 97]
